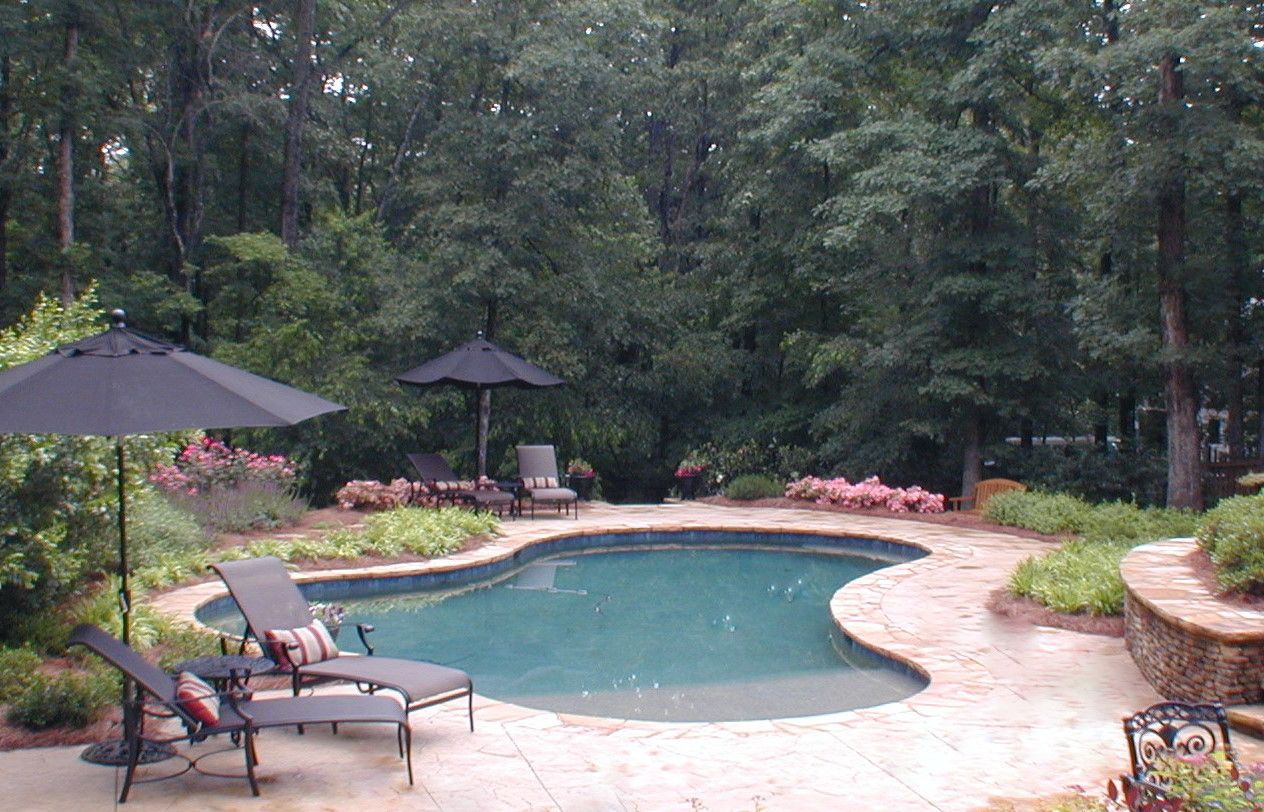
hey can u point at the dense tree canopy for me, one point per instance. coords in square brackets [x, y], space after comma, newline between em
[857, 237]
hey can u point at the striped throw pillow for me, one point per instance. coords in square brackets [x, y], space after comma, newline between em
[197, 699]
[539, 481]
[314, 644]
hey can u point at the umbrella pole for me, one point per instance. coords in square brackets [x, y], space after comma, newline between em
[125, 594]
[484, 424]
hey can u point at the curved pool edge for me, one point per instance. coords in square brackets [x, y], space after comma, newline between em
[856, 607]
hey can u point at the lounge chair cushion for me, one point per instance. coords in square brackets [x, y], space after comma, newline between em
[534, 482]
[314, 644]
[198, 699]
[553, 494]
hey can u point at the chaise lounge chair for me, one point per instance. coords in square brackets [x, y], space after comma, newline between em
[270, 601]
[537, 471]
[240, 717]
[441, 480]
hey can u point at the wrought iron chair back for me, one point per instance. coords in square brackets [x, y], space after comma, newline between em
[1180, 728]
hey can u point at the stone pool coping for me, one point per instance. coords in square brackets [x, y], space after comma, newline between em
[1012, 711]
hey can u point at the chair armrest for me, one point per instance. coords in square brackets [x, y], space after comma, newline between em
[955, 502]
[364, 630]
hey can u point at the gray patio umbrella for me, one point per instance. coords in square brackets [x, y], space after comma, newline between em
[120, 382]
[480, 365]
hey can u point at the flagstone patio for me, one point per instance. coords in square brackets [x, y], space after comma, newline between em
[1011, 712]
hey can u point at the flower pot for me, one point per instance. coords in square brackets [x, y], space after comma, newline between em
[581, 484]
[688, 485]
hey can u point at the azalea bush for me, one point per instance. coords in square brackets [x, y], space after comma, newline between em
[369, 494]
[870, 493]
[210, 463]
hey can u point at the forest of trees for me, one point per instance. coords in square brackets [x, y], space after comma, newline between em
[851, 237]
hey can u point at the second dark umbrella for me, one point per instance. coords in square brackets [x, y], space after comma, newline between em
[480, 365]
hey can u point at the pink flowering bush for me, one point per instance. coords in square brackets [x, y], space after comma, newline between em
[212, 464]
[870, 493]
[369, 494]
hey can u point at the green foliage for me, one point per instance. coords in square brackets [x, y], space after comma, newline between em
[158, 530]
[1081, 578]
[247, 506]
[1232, 533]
[70, 699]
[18, 669]
[1051, 513]
[179, 641]
[1207, 783]
[419, 531]
[755, 486]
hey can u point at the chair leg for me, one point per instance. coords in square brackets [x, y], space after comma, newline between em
[294, 684]
[133, 758]
[250, 760]
[471, 700]
[408, 749]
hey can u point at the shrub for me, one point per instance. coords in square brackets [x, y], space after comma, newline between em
[70, 699]
[18, 668]
[1049, 513]
[1121, 521]
[1232, 533]
[210, 464]
[1080, 578]
[247, 506]
[1207, 782]
[157, 528]
[867, 494]
[755, 486]
[369, 494]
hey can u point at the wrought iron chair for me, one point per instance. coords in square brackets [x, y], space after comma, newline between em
[1182, 729]
[152, 693]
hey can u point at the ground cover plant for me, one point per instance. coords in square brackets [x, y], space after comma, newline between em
[1232, 533]
[1082, 577]
[748, 487]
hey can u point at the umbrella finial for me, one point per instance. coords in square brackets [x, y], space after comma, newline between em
[118, 317]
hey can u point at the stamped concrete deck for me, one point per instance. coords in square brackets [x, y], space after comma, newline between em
[1011, 712]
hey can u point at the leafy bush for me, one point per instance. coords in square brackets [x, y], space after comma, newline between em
[1049, 513]
[1232, 533]
[70, 699]
[755, 486]
[57, 493]
[867, 494]
[369, 494]
[422, 531]
[158, 529]
[18, 667]
[1121, 521]
[1081, 578]
[180, 641]
[1207, 783]
[247, 506]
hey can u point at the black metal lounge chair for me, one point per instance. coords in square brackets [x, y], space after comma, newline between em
[154, 694]
[441, 480]
[537, 471]
[269, 600]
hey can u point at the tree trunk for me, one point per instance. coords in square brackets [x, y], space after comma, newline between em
[972, 456]
[1184, 487]
[296, 119]
[6, 189]
[1237, 262]
[66, 163]
[1128, 420]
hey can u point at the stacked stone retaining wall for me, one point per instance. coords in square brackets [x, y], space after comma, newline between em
[1189, 644]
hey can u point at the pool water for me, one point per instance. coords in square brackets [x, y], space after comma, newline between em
[665, 634]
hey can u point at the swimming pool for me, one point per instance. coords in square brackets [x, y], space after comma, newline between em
[664, 627]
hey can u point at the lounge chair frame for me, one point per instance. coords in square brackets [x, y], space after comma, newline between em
[541, 461]
[432, 468]
[269, 599]
[151, 693]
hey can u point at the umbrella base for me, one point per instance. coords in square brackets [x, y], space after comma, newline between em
[116, 753]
